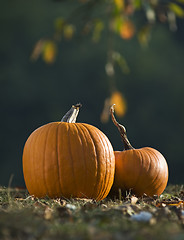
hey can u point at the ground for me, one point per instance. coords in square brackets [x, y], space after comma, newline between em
[24, 217]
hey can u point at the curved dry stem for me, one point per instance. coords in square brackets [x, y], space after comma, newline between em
[121, 129]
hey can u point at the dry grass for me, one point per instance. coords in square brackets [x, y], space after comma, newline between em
[25, 217]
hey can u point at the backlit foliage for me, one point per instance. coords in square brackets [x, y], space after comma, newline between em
[122, 18]
[126, 19]
[49, 52]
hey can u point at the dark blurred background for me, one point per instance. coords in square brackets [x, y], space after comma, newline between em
[35, 93]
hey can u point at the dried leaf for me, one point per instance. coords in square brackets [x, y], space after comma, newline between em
[104, 206]
[134, 200]
[170, 203]
[48, 213]
[127, 30]
[160, 204]
[60, 202]
[37, 50]
[152, 221]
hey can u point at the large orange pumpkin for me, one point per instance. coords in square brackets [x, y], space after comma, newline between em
[68, 159]
[143, 171]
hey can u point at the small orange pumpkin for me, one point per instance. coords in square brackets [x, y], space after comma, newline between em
[143, 171]
[68, 159]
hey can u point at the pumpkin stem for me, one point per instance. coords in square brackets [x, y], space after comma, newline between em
[121, 129]
[72, 114]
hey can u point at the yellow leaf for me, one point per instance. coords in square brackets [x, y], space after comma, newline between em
[68, 31]
[118, 99]
[179, 11]
[48, 213]
[120, 4]
[49, 52]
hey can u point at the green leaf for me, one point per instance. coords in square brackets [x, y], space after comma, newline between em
[179, 11]
[137, 3]
[59, 23]
[98, 28]
[121, 61]
[144, 35]
[117, 23]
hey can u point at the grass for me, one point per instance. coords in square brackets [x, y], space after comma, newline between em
[25, 217]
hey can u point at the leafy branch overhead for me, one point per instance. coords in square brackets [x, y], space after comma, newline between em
[126, 18]
[123, 19]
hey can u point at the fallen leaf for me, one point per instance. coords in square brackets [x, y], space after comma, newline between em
[48, 213]
[134, 200]
[170, 203]
[61, 202]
